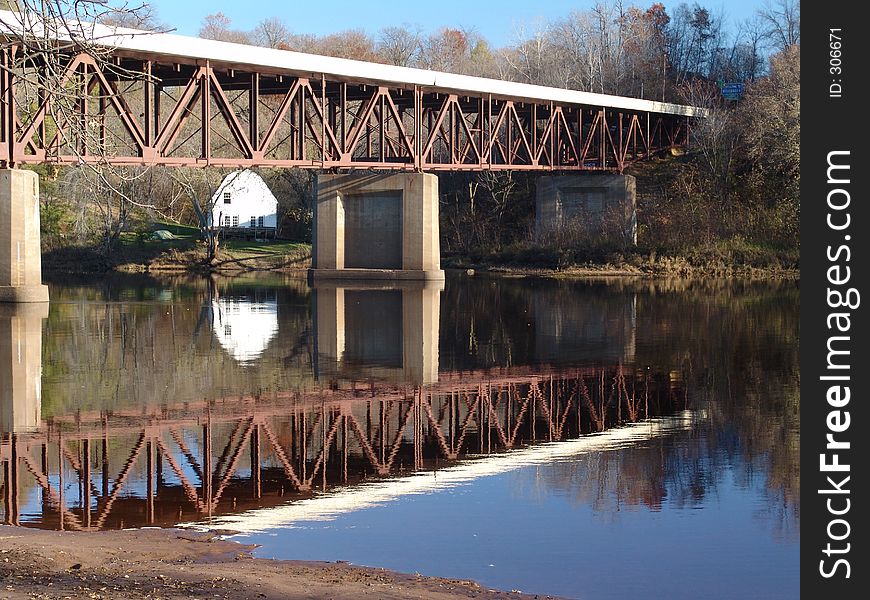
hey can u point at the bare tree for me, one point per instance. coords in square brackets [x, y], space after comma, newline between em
[144, 17]
[43, 43]
[353, 44]
[399, 45]
[198, 186]
[272, 33]
[782, 22]
[715, 139]
[445, 50]
[217, 27]
[530, 57]
[771, 114]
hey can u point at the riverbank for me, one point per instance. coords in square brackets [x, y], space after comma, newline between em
[296, 258]
[180, 256]
[656, 268]
[171, 563]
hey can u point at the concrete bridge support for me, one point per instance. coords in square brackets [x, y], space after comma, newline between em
[387, 332]
[600, 205]
[21, 366]
[20, 252]
[376, 226]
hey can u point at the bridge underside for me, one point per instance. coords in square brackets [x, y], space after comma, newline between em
[136, 109]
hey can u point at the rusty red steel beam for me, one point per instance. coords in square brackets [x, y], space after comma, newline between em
[341, 125]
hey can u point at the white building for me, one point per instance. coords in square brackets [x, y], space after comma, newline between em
[244, 326]
[243, 200]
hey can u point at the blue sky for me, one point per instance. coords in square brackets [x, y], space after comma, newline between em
[498, 21]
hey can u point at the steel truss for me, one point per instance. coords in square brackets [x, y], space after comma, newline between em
[149, 110]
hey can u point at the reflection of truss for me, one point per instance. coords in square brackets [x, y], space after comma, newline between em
[299, 443]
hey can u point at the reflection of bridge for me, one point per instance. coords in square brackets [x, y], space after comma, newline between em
[173, 463]
[380, 407]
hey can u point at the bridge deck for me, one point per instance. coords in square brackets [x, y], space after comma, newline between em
[146, 103]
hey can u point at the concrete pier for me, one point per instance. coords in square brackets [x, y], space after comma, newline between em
[21, 366]
[382, 331]
[376, 226]
[600, 204]
[20, 252]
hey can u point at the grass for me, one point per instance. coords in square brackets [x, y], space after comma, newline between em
[136, 252]
[186, 238]
[177, 228]
[266, 248]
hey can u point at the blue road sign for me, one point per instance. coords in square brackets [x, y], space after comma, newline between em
[732, 91]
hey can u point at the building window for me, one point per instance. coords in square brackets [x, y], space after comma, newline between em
[226, 220]
[253, 221]
[227, 198]
[235, 220]
[260, 221]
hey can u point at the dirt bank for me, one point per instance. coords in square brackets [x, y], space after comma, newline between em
[180, 256]
[168, 563]
[629, 271]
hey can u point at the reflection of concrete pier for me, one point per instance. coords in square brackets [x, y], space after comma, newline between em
[21, 366]
[369, 330]
[20, 391]
[585, 328]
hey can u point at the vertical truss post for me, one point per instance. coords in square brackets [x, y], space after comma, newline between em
[86, 480]
[148, 90]
[205, 98]
[206, 467]
[149, 453]
[13, 483]
[253, 113]
[256, 484]
[323, 114]
[7, 129]
[83, 108]
[418, 129]
[343, 108]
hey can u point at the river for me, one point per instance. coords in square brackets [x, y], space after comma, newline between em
[601, 439]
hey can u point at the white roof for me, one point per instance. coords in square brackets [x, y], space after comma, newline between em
[247, 183]
[312, 65]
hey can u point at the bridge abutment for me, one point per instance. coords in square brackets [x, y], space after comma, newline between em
[376, 226]
[20, 252]
[599, 205]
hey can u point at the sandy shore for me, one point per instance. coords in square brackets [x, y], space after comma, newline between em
[169, 563]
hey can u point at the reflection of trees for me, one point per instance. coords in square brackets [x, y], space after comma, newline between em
[139, 341]
[729, 348]
[733, 348]
[497, 322]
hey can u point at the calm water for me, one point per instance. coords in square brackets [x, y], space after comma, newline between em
[587, 439]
